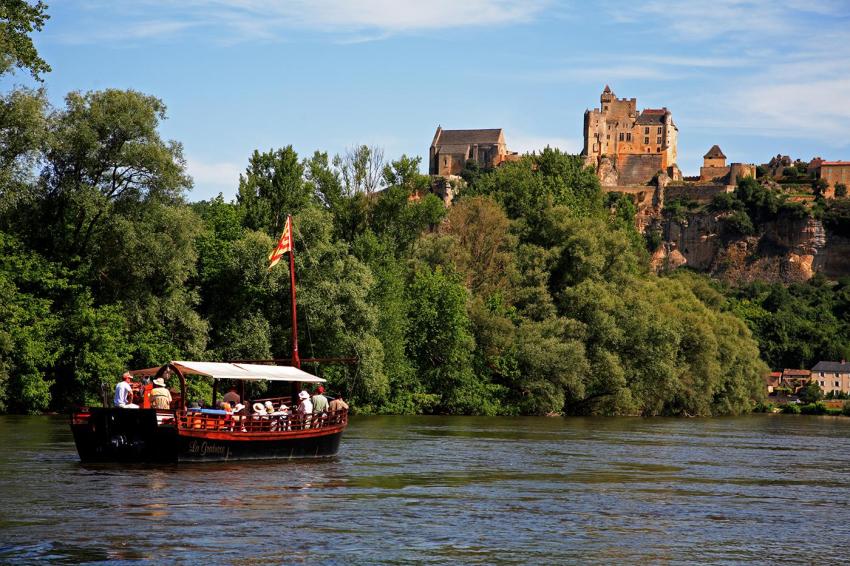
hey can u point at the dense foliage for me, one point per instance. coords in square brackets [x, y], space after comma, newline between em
[797, 325]
[530, 295]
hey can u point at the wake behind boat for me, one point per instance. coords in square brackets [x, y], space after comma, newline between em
[191, 435]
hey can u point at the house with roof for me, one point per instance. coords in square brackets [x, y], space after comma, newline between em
[796, 379]
[832, 377]
[773, 381]
[451, 149]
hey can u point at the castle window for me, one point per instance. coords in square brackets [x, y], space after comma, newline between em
[659, 129]
[658, 149]
[629, 137]
[659, 139]
[470, 152]
[622, 136]
[646, 130]
[645, 141]
[605, 107]
[608, 137]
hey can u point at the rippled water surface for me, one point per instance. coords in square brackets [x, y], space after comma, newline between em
[450, 490]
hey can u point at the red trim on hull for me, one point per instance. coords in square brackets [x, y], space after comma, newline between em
[259, 436]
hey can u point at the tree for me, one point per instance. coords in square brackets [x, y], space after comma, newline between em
[105, 157]
[404, 172]
[811, 393]
[484, 245]
[272, 187]
[361, 168]
[840, 190]
[23, 133]
[19, 19]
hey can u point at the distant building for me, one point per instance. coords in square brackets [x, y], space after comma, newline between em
[832, 376]
[639, 144]
[451, 149]
[834, 173]
[773, 381]
[796, 379]
[713, 164]
[714, 168]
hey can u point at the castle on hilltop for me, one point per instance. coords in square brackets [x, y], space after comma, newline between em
[628, 147]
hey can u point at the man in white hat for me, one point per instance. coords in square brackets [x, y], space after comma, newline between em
[305, 408]
[124, 393]
[160, 395]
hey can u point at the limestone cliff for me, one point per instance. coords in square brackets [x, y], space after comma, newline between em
[788, 249]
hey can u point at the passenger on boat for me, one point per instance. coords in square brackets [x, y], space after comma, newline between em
[231, 396]
[269, 406]
[124, 393]
[305, 408]
[160, 395]
[320, 402]
[337, 404]
[239, 414]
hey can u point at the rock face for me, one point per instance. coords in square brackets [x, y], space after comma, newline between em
[607, 173]
[787, 250]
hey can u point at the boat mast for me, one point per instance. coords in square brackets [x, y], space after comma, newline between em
[296, 360]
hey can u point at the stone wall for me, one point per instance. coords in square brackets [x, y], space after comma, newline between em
[638, 169]
[710, 173]
[702, 194]
[834, 174]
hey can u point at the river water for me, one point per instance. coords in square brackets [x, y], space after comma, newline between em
[449, 490]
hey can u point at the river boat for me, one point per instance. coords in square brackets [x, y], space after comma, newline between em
[112, 434]
[187, 434]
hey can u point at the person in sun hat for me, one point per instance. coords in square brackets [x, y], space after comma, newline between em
[124, 393]
[160, 395]
[305, 408]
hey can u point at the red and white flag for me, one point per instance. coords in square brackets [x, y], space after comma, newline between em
[283, 245]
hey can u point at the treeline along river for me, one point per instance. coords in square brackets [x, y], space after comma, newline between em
[759, 488]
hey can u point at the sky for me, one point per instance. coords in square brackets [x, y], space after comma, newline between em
[757, 77]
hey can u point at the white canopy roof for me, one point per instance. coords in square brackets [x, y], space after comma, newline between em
[219, 370]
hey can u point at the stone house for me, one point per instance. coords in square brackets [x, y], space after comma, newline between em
[832, 376]
[834, 173]
[639, 144]
[451, 149]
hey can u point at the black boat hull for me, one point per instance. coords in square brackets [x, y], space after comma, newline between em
[133, 435]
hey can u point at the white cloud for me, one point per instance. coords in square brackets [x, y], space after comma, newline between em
[212, 178]
[346, 20]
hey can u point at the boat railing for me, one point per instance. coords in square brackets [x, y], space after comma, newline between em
[196, 420]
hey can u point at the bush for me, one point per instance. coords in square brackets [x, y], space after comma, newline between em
[845, 410]
[840, 190]
[653, 239]
[739, 223]
[764, 408]
[811, 393]
[814, 409]
[791, 409]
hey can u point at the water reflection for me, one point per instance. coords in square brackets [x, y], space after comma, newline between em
[449, 490]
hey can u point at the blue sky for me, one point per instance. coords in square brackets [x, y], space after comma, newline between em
[756, 77]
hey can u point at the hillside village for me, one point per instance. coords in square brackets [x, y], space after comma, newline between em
[634, 152]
